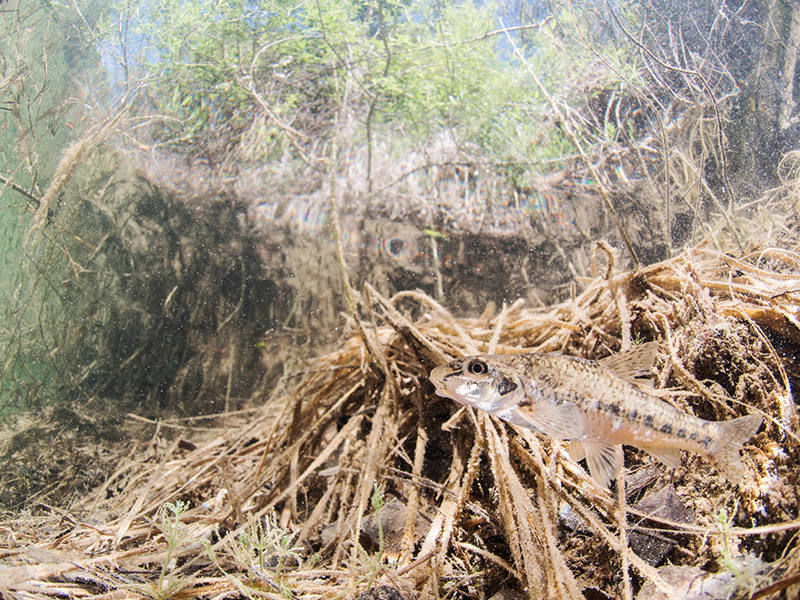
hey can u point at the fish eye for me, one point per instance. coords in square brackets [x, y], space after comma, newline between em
[477, 367]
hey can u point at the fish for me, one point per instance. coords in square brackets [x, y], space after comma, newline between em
[596, 405]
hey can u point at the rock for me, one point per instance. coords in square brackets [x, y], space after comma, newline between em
[571, 520]
[393, 520]
[666, 504]
[689, 583]
[507, 594]
[381, 592]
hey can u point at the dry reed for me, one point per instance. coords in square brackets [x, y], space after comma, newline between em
[481, 505]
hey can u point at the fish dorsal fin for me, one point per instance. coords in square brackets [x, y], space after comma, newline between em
[603, 462]
[671, 457]
[635, 362]
[563, 422]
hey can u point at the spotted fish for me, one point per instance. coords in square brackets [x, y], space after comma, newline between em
[597, 405]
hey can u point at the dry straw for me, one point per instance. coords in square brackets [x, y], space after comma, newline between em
[282, 498]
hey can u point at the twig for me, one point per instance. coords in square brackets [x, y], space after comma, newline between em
[33, 200]
[777, 586]
[574, 138]
[622, 525]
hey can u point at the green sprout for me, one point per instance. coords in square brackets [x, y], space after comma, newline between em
[745, 567]
[434, 233]
[169, 521]
[375, 561]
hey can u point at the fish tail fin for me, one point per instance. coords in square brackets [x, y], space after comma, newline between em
[732, 435]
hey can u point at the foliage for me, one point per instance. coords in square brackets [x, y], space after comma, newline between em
[42, 58]
[200, 60]
[270, 74]
[274, 83]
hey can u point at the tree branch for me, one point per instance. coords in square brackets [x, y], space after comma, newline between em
[33, 201]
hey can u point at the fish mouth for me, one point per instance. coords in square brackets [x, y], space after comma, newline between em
[438, 377]
[450, 384]
[454, 386]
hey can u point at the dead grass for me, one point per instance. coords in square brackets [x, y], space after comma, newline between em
[282, 497]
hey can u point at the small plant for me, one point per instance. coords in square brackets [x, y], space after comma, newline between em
[169, 521]
[374, 562]
[260, 546]
[269, 540]
[378, 502]
[747, 569]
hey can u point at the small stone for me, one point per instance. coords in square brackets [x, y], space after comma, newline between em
[666, 504]
[393, 521]
[381, 592]
[689, 583]
[507, 594]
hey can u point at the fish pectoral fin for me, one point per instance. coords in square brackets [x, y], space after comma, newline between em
[671, 457]
[563, 422]
[603, 461]
[576, 450]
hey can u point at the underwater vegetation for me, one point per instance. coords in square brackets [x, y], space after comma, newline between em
[238, 237]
